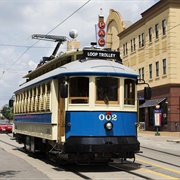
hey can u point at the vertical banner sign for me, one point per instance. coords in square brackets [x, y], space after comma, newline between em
[157, 117]
[101, 32]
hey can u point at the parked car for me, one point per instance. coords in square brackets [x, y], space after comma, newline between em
[5, 126]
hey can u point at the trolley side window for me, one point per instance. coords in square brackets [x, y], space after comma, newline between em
[79, 90]
[107, 89]
[129, 91]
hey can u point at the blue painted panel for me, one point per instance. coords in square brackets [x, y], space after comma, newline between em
[92, 124]
[33, 118]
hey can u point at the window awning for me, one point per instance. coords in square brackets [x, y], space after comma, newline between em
[152, 102]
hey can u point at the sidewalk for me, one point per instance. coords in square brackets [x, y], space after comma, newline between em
[162, 133]
[167, 141]
[164, 136]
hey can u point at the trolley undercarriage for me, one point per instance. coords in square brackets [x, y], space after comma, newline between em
[83, 149]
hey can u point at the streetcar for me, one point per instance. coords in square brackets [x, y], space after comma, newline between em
[79, 106]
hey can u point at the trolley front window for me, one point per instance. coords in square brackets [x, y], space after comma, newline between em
[107, 90]
[129, 91]
[79, 90]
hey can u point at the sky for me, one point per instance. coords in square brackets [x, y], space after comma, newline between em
[20, 19]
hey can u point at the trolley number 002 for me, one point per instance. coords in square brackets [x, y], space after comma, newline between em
[108, 117]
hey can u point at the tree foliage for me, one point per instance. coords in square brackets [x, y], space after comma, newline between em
[7, 113]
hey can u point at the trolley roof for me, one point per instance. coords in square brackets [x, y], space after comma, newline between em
[85, 67]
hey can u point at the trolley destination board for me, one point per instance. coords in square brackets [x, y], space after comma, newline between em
[101, 54]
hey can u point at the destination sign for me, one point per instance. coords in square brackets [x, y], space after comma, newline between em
[99, 54]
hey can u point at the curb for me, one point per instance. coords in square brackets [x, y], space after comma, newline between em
[176, 141]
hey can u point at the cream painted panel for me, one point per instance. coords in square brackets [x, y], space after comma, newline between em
[37, 130]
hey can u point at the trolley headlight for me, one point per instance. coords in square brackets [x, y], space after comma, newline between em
[108, 125]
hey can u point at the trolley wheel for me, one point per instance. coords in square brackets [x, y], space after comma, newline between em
[62, 162]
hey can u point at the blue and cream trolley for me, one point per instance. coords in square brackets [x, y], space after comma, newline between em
[80, 107]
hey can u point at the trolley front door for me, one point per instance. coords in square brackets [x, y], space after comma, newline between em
[61, 118]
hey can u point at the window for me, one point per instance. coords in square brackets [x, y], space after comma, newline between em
[134, 42]
[150, 71]
[30, 99]
[34, 99]
[164, 66]
[164, 27]
[131, 45]
[157, 69]
[38, 98]
[42, 98]
[26, 101]
[157, 31]
[141, 40]
[150, 34]
[129, 92]
[107, 90]
[141, 73]
[126, 49]
[48, 91]
[79, 90]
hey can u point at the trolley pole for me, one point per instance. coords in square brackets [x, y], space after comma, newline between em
[138, 125]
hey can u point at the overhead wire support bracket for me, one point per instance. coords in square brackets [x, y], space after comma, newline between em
[53, 38]
[46, 37]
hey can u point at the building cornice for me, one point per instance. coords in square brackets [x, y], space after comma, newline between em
[157, 8]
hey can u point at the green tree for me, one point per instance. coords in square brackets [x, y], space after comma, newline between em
[7, 113]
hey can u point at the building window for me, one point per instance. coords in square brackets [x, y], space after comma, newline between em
[157, 69]
[164, 66]
[123, 49]
[164, 27]
[126, 48]
[141, 73]
[150, 34]
[134, 43]
[131, 45]
[141, 40]
[157, 31]
[150, 71]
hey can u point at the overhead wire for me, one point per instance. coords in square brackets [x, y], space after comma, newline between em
[21, 46]
[29, 47]
[46, 34]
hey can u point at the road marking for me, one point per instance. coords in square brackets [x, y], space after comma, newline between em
[153, 172]
[168, 169]
[159, 174]
[146, 170]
